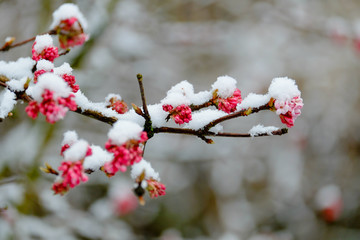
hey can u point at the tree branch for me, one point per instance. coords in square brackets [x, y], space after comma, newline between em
[7, 47]
[201, 133]
[244, 112]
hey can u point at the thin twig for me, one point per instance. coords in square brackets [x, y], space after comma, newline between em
[200, 132]
[7, 47]
[143, 99]
[244, 112]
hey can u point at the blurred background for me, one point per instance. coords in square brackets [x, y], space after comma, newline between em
[303, 185]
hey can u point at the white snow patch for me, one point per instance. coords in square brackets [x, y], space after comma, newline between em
[7, 103]
[63, 69]
[260, 129]
[112, 95]
[70, 137]
[51, 82]
[327, 196]
[203, 117]
[77, 151]
[158, 115]
[253, 100]
[66, 11]
[123, 131]
[179, 94]
[17, 85]
[283, 89]
[44, 64]
[42, 42]
[18, 69]
[97, 159]
[225, 85]
[143, 165]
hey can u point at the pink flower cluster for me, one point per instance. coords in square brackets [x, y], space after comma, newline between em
[125, 203]
[229, 104]
[71, 33]
[289, 110]
[124, 155]
[72, 172]
[48, 53]
[118, 105]
[72, 175]
[53, 108]
[70, 79]
[155, 188]
[181, 114]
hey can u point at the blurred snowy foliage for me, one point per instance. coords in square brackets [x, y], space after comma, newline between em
[256, 189]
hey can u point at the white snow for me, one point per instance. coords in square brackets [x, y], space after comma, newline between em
[179, 94]
[97, 159]
[7, 102]
[44, 64]
[253, 100]
[158, 115]
[85, 104]
[51, 82]
[143, 165]
[327, 196]
[66, 11]
[283, 89]
[225, 85]
[201, 97]
[203, 117]
[260, 129]
[18, 69]
[17, 85]
[112, 95]
[42, 42]
[70, 137]
[77, 151]
[123, 131]
[63, 69]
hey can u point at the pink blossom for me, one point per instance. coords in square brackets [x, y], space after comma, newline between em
[229, 104]
[125, 203]
[53, 109]
[155, 188]
[48, 53]
[118, 105]
[60, 188]
[124, 155]
[289, 110]
[72, 175]
[181, 114]
[70, 79]
[71, 33]
[32, 109]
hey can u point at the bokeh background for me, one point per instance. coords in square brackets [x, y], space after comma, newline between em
[303, 185]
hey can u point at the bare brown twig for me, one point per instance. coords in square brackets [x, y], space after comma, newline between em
[7, 47]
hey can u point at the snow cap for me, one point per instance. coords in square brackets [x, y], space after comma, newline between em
[66, 11]
[123, 131]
